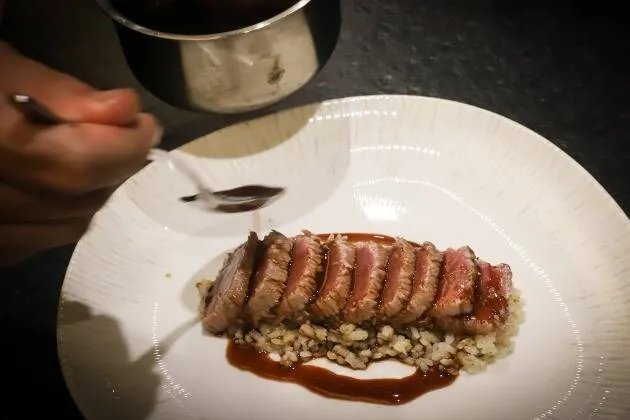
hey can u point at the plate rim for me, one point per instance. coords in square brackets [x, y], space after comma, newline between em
[602, 193]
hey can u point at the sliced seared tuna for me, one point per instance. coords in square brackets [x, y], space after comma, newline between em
[425, 284]
[305, 276]
[355, 280]
[224, 301]
[490, 307]
[399, 279]
[369, 276]
[456, 286]
[270, 278]
[338, 280]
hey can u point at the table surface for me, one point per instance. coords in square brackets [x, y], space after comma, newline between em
[561, 68]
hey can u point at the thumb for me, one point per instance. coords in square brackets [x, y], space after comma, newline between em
[65, 95]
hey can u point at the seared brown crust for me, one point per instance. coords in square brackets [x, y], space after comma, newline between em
[457, 284]
[399, 280]
[305, 271]
[338, 279]
[223, 302]
[369, 276]
[425, 284]
[270, 279]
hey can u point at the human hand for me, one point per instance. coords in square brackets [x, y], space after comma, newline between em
[53, 179]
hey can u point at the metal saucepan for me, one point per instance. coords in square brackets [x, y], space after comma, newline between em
[236, 71]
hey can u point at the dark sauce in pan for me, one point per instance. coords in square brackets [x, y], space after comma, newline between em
[331, 385]
[328, 384]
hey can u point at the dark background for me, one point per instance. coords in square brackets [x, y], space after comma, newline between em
[562, 68]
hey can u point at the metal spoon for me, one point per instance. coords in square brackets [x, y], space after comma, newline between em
[240, 199]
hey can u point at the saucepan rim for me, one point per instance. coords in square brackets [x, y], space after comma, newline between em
[114, 14]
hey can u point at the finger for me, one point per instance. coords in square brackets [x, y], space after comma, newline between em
[115, 107]
[28, 206]
[74, 159]
[18, 242]
[67, 96]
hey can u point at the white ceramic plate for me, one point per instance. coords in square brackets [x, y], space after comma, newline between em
[428, 169]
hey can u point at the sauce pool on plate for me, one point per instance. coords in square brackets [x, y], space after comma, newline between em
[329, 384]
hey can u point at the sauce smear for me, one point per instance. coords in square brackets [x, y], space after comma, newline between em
[328, 384]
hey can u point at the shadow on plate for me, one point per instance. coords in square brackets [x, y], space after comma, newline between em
[99, 370]
[232, 145]
[288, 149]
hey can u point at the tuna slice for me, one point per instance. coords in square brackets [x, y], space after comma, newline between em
[304, 279]
[270, 279]
[399, 280]
[337, 285]
[369, 276]
[490, 308]
[425, 284]
[457, 283]
[225, 299]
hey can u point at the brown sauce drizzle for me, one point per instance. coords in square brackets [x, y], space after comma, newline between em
[328, 384]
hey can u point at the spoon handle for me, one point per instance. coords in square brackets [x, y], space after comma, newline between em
[179, 166]
[33, 111]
